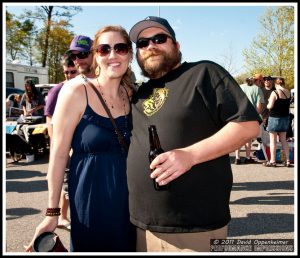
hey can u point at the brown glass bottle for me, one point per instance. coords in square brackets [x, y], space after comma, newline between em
[155, 150]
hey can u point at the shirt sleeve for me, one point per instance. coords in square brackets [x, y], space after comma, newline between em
[51, 102]
[223, 97]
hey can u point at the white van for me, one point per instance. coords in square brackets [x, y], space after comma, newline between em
[16, 74]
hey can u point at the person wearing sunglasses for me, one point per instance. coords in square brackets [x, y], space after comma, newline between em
[267, 90]
[97, 186]
[81, 54]
[201, 115]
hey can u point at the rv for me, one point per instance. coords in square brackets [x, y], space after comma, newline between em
[16, 74]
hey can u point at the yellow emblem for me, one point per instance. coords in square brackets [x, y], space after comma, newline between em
[155, 101]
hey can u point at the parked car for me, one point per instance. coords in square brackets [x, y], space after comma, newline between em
[44, 88]
[12, 90]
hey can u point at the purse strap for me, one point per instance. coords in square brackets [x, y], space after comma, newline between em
[119, 135]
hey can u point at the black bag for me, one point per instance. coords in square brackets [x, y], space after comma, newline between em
[48, 242]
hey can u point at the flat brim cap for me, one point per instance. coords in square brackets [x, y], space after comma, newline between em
[145, 24]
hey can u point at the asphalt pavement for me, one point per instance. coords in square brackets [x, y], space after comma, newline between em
[261, 203]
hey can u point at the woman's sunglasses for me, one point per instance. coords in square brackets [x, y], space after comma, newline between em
[120, 48]
[80, 55]
[70, 72]
[156, 39]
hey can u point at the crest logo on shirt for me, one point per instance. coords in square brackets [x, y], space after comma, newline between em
[155, 101]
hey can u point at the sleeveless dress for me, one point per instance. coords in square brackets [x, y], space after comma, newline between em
[98, 191]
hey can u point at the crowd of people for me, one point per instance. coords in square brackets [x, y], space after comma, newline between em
[272, 101]
[201, 115]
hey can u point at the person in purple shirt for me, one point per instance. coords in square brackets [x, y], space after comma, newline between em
[70, 72]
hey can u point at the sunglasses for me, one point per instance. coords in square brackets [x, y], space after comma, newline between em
[156, 39]
[120, 48]
[70, 72]
[80, 55]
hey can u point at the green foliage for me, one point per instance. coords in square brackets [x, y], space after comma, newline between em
[18, 35]
[46, 45]
[272, 50]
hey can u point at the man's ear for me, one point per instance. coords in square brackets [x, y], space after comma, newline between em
[177, 45]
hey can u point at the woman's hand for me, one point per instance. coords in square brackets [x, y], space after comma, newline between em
[49, 224]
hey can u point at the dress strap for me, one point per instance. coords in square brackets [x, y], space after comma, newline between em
[284, 93]
[86, 95]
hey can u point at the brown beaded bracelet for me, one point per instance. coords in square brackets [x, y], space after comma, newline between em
[52, 212]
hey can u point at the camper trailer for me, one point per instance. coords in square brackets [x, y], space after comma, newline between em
[16, 74]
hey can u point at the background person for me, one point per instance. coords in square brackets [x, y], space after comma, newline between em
[33, 103]
[267, 90]
[70, 72]
[201, 115]
[256, 97]
[13, 101]
[278, 124]
[81, 54]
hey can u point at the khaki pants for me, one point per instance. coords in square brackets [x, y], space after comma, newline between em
[148, 241]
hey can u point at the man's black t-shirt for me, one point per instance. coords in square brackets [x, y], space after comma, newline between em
[187, 105]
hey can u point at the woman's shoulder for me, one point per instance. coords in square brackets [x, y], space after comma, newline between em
[284, 93]
[73, 87]
[287, 93]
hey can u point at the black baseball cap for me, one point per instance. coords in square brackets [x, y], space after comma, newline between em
[148, 22]
[269, 78]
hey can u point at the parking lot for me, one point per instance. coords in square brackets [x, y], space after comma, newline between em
[262, 202]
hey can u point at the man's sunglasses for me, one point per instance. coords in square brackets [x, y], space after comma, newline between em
[120, 48]
[70, 72]
[80, 55]
[156, 39]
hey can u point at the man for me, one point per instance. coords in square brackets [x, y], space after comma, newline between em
[256, 97]
[258, 80]
[70, 72]
[81, 54]
[201, 115]
[267, 90]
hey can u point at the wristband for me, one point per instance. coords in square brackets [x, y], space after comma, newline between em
[52, 212]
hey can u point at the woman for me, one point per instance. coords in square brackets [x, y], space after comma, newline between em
[33, 103]
[278, 122]
[98, 192]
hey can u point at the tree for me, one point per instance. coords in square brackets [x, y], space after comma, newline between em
[18, 35]
[48, 15]
[272, 51]
[59, 42]
[228, 60]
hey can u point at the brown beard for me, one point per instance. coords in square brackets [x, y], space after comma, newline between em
[153, 71]
[85, 70]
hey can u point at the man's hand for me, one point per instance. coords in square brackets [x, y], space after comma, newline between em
[170, 165]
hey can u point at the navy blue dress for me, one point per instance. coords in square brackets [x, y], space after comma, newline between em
[98, 186]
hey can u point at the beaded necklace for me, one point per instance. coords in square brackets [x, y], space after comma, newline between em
[111, 104]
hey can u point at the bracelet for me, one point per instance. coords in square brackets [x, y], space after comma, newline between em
[52, 212]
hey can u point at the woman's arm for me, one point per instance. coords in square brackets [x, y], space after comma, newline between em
[271, 101]
[68, 111]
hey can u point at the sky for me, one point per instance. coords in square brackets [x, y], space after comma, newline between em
[215, 31]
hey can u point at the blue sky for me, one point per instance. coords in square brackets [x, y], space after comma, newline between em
[213, 31]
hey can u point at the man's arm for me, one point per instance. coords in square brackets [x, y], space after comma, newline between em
[49, 126]
[172, 164]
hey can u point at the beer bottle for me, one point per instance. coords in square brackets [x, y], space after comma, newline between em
[155, 150]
